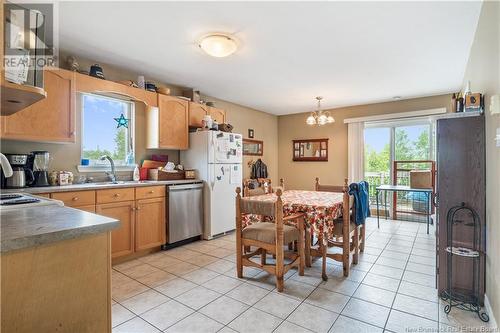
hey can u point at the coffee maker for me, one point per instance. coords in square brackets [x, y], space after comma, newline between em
[22, 176]
[39, 163]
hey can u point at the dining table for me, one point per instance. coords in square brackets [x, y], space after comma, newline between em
[321, 209]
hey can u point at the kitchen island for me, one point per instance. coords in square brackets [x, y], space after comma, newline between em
[56, 270]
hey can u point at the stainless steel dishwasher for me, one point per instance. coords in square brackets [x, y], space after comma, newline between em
[185, 211]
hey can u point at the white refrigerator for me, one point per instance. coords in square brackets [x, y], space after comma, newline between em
[217, 158]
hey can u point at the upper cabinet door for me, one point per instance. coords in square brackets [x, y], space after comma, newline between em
[196, 114]
[173, 122]
[218, 115]
[49, 120]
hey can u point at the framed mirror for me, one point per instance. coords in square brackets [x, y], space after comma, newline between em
[310, 150]
[253, 147]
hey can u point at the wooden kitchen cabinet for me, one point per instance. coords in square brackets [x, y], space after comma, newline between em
[167, 125]
[75, 199]
[196, 114]
[150, 223]
[140, 210]
[122, 239]
[198, 111]
[217, 115]
[51, 119]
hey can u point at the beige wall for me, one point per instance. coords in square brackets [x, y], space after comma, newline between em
[265, 128]
[483, 72]
[301, 175]
[67, 156]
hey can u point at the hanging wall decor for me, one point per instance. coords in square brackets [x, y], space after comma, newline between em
[121, 121]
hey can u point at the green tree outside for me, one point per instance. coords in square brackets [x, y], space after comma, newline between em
[405, 150]
[120, 150]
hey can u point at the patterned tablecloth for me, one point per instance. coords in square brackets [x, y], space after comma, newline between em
[321, 208]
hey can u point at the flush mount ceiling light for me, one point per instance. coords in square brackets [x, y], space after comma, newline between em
[218, 45]
[319, 117]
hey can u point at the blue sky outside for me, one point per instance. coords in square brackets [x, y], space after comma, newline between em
[98, 123]
[378, 137]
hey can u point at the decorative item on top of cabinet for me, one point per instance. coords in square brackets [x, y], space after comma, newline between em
[310, 150]
[253, 147]
[49, 120]
[167, 125]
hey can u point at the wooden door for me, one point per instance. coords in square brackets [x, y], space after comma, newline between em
[173, 122]
[460, 178]
[196, 114]
[218, 115]
[122, 238]
[150, 221]
[50, 120]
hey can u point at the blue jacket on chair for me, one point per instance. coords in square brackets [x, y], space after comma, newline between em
[360, 191]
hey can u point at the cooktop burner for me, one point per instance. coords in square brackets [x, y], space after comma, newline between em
[10, 196]
[18, 201]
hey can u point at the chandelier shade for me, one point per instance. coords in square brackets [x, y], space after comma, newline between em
[319, 117]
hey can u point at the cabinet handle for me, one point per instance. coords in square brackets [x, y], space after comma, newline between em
[133, 208]
[116, 195]
[151, 192]
[75, 199]
[138, 208]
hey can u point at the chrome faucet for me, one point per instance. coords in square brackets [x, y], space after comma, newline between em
[111, 175]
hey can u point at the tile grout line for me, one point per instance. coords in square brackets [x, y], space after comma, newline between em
[393, 236]
[352, 296]
[399, 285]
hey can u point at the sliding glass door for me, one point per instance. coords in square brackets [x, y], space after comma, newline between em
[386, 142]
[378, 147]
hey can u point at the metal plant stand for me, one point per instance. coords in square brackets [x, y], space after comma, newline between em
[464, 299]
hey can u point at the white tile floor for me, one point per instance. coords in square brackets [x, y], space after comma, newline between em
[194, 288]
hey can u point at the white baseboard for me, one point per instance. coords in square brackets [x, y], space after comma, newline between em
[489, 311]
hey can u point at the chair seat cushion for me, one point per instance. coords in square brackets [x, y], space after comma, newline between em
[266, 232]
[337, 230]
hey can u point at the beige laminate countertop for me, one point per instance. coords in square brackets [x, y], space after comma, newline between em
[98, 186]
[29, 227]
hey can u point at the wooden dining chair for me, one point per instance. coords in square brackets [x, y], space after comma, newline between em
[347, 235]
[269, 237]
[260, 186]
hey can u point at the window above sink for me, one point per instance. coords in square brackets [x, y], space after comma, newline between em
[107, 129]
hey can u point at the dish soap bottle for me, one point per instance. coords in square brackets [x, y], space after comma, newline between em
[136, 176]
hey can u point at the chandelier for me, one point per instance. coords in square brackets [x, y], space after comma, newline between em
[319, 117]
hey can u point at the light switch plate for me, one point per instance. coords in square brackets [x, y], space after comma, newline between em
[497, 139]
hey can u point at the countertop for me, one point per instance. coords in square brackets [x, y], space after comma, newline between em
[98, 186]
[30, 227]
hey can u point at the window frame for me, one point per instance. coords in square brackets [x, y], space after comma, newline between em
[104, 166]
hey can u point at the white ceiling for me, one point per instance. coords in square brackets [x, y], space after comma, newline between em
[349, 52]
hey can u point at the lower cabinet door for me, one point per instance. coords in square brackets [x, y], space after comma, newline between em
[122, 238]
[150, 228]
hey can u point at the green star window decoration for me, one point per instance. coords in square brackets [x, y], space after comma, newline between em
[122, 121]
